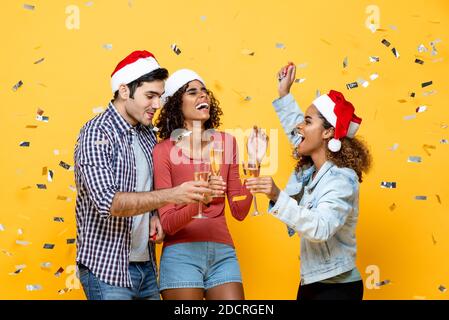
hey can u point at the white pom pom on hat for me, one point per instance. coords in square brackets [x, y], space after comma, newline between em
[340, 114]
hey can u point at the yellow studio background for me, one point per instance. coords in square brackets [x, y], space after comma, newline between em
[401, 241]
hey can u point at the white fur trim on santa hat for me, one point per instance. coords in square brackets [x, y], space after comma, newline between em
[325, 106]
[334, 145]
[177, 80]
[133, 71]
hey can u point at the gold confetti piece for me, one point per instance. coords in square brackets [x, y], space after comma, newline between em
[239, 198]
[29, 7]
[248, 52]
[64, 198]
[31, 126]
[326, 42]
[62, 232]
[39, 61]
[42, 85]
[17, 86]
[63, 291]
[56, 152]
[419, 61]
[393, 206]
[419, 297]
[58, 219]
[44, 171]
[438, 198]
[345, 62]
[402, 101]
[433, 240]
[426, 148]
[73, 188]
[203, 18]
[442, 288]
[7, 253]
[386, 43]
[26, 188]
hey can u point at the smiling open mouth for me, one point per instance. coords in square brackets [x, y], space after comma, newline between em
[202, 106]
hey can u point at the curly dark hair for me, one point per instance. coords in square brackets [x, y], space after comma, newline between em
[353, 154]
[171, 117]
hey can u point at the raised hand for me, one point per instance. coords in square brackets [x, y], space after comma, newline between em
[286, 77]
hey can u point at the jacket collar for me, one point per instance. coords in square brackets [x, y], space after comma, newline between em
[325, 168]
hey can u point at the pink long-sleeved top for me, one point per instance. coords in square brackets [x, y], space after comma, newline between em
[177, 221]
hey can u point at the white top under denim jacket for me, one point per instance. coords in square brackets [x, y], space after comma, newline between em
[325, 216]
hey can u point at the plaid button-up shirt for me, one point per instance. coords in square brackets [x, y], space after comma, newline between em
[104, 165]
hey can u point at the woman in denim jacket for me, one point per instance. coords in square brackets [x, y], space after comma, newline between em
[321, 200]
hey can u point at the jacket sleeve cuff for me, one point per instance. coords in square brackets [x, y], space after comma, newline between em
[282, 208]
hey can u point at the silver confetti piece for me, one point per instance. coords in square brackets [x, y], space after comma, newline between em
[317, 93]
[352, 85]
[33, 287]
[444, 141]
[421, 109]
[58, 219]
[388, 185]
[41, 186]
[419, 61]
[301, 80]
[422, 48]
[394, 147]
[2, 228]
[374, 59]
[24, 144]
[426, 84]
[17, 85]
[58, 273]
[442, 288]
[280, 45]
[345, 62]
[374, 76]
[420, 197]
[50, 176]
[42, 118]
[64, 165]
[203, 18]
[49, 246]
[411, 117]
[107, 46]
[46, 265]
[22, 242]
[386, 43]
[415, 159]
[395, 52]
[71, 241]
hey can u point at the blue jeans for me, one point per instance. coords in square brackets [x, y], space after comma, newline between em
[143, 280]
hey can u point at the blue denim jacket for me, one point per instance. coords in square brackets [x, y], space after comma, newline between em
[325, 217]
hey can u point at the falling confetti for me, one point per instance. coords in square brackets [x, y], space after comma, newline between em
[98, 110]
[386, 43]
[58, 273]
[374, 76]
[426, 84]
[48, 246]
[107, 46]
[64, 165]
[442, 288]
[301, 80]
[422, 48]
[392, 207]
[420, 197]
[444, 141]
[33, 287]
[374, 59]
[426, 148]
[24, 144]
[411, 117]
[352, 85]
[383, 283]
[248, 52]
[438, 198]
[17, 85]
[415, 159]
[71, 241]
[345, 62]
[58, 219]
[22, 242]
[2, 228]
[433, 240]
[41, 186]
[39, 61]
[395, 52]
[419, 61]
[175, 49]
[388, 185]
[280, 45]
[29, 7]
[421, 109]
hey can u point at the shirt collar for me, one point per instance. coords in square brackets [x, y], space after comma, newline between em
[121, 125]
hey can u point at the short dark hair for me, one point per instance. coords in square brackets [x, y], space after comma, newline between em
[158, 74]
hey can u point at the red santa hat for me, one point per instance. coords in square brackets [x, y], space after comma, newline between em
[340, 114]
[135, 65]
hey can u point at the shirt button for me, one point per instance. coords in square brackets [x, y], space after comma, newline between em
[275, 212]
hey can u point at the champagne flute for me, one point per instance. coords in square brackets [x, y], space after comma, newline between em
[252, 170]
[201, 173]
[216, 160]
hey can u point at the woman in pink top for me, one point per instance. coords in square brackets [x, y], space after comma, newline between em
[198, 259]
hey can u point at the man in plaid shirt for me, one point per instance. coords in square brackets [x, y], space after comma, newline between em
[117, 227]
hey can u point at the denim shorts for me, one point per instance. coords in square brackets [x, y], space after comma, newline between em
[144, 284]
[198, 265]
